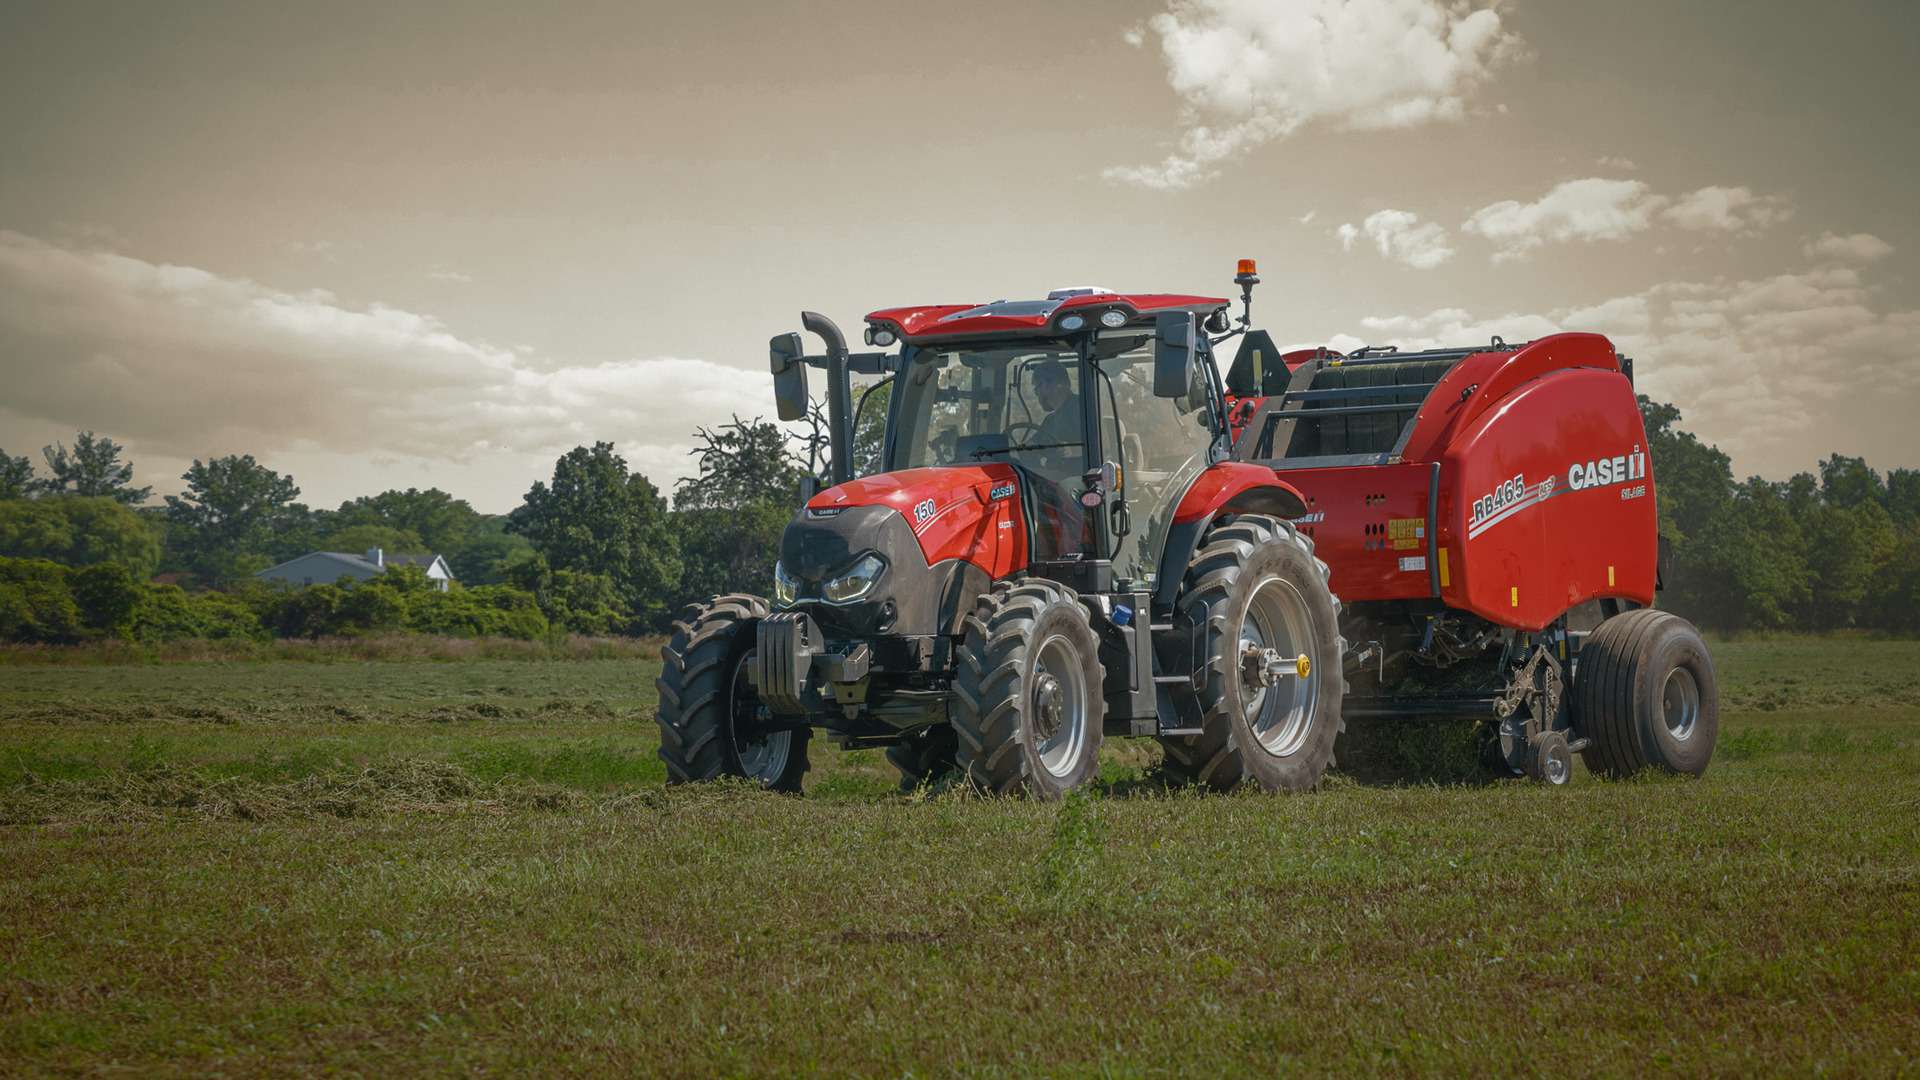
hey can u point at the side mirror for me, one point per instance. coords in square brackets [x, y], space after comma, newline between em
[1173, 353]
[789, 376]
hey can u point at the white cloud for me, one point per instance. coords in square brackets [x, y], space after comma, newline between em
[1589, 209]
[1611, 162]
[1777, 370]
[1251, 71]
[1307, 218]
[1598, 208]
[1726, 209]
[1860, 247]
[1399, 236]
[187, 363]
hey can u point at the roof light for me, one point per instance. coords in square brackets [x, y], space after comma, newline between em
[881, 336]
[1073, 322]
[1247, 267]
[1113, 318]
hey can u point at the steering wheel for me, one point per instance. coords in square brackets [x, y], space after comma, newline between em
[1021, 425]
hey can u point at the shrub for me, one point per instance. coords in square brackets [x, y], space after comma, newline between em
[36, 604]
[108, 596]
[488, 611]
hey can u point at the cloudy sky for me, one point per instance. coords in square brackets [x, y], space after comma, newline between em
[409, 245]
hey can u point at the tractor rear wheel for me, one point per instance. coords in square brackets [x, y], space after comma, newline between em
[1270, 707]
[708, 708]
[925, 757]
[1644, 694]
[1028, 704]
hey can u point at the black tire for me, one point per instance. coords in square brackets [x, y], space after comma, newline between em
[1645, 694]
[1235, 560]
[703, 689]
[1010, 704]
[1549, 760]
[925, 757]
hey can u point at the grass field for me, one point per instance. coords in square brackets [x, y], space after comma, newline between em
[403, 867]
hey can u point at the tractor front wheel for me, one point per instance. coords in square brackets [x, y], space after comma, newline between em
[709, 716]
[1270, 705]
[1028, 705]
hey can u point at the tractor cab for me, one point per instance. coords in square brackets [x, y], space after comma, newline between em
[1101, 459]
[1090, 413]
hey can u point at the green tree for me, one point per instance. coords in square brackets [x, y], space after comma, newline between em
[357, 539]
[16, 477]
[229, 512]
[1903, 496]
[730, 514]
[489, 552]
[93, 468]
[35, 603]
[1847, 482]
[1845, 548]
[108, 597]
[441, 522]
[597, 517]
[79, 531]
[741, 463]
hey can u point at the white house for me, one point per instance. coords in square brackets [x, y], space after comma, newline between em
[327, 567]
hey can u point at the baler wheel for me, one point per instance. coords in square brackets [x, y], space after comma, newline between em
[1644, 693]
[705, 697]
[926, 757]
[1549, 759]
[1028, 704]
[1257, 587]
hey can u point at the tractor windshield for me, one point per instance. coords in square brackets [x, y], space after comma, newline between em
[1020, 404]
[1040, 406]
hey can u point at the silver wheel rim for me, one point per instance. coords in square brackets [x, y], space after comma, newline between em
[1680, 703]
[1057, 705]
[763, 759]
[1556, 769]
[1280, 709]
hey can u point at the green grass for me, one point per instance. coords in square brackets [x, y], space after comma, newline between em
[473, 867]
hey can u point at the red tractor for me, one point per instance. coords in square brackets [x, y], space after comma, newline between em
[1079, 530]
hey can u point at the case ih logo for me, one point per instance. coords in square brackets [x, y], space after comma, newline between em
[1603, 471]
[1001, 492]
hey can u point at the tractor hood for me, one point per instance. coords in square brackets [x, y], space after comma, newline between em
[944, 533]
[953, 511]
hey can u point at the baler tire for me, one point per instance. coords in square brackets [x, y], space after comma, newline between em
[996, 710]
[925, 757]
[1645, 696]
[700, 684]
[1232, 560]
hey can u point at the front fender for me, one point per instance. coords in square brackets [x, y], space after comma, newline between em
[1239, 487]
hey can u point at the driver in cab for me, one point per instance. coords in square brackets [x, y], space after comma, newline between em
[1062, 423]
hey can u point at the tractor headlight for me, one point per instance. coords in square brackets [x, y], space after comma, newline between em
[857, 582]
[784, 587]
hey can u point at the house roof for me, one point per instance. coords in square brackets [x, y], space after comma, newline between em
[361, 563]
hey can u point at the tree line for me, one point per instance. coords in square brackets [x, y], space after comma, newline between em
[597, 548]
